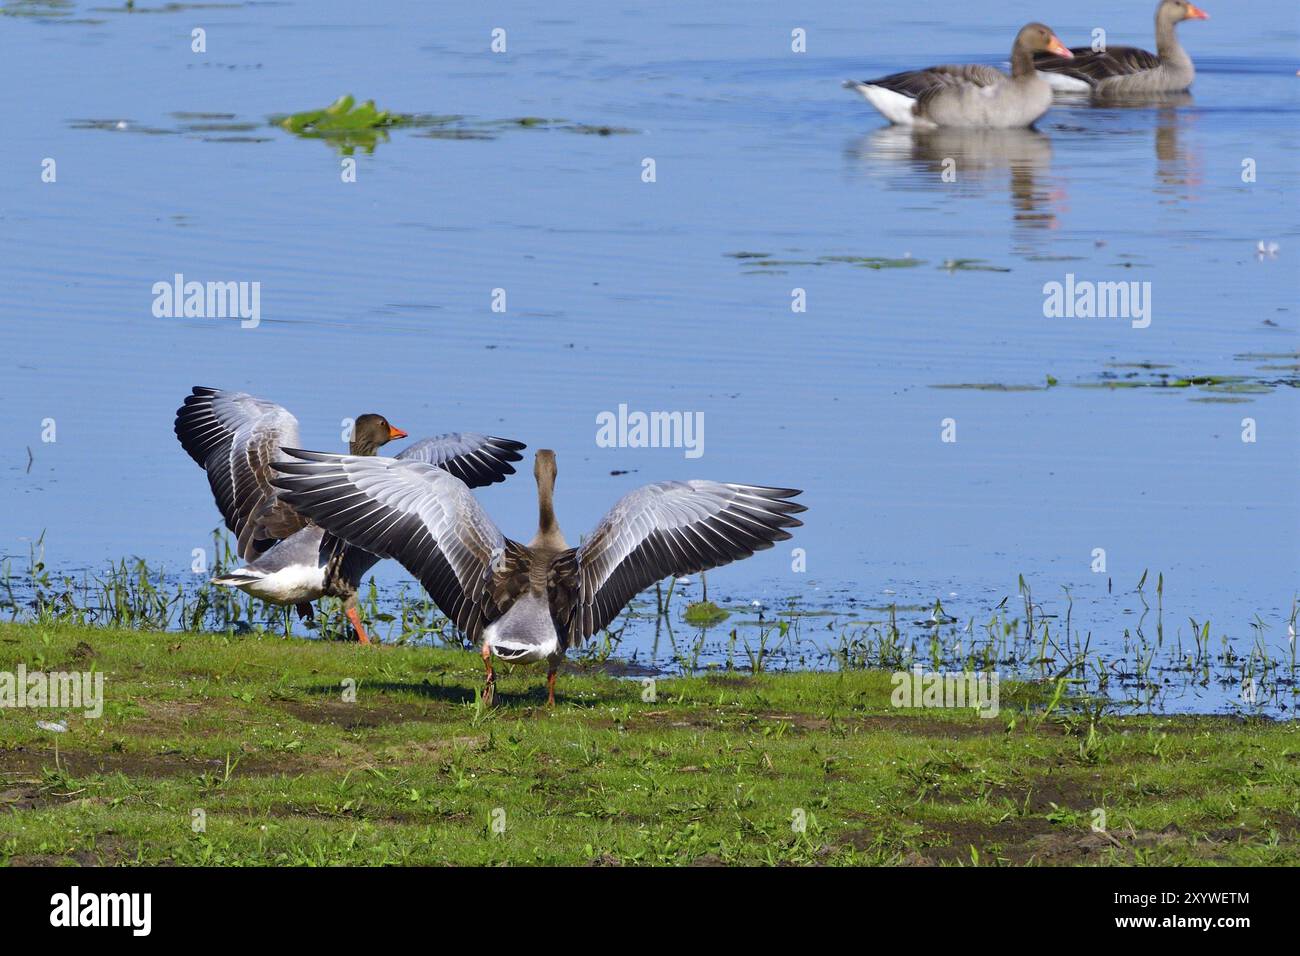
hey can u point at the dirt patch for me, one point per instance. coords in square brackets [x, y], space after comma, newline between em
[171, 718]
[359, 716]
[426, 751]
[1008, 840]
[1061, 792]
[24, 798]
[1027, 841]
[110, 851]
[32, 762]
[1286, 824]
[802, 723]
[1091, 847]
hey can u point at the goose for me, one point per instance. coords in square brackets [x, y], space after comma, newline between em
[1126, 70]
[970, 95]
[530, 602]
[236, 437]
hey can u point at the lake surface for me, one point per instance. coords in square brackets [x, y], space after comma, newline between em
[677, 294]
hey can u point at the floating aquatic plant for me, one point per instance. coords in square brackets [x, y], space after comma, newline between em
[344, 123]
[705, 614]
[341, 116]
[764, 260]
[971, 265]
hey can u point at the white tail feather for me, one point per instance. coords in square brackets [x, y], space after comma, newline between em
[894, 107]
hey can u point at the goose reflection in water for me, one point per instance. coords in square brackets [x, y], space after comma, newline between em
[1178, 168]
[971, 162]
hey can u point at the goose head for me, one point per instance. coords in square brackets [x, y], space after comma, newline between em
[548, 529]
[1176, 11]
[1039, 38]
[544, 468]
[370, 432]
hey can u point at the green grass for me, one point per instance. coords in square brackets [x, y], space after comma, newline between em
[254, 732]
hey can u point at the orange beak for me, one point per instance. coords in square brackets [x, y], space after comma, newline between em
[1196, 13]
[1060, 49]
[394, 432]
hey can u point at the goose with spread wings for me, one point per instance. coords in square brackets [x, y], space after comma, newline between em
[236, 438]
[530, 602]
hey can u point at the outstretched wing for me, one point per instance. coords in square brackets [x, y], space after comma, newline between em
[475, 459]
[420, 515]
[235, 437]
[671, 527]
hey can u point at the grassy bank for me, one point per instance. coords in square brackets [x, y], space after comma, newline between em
[215, 750]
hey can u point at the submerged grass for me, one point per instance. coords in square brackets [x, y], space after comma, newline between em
[1244, 668]
[1153, 375]
[234, 750]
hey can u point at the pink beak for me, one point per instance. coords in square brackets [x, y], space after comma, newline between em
[1060, 49]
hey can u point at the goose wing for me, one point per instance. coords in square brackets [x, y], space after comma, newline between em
[235, 438]
[917, 83]
[419, 514]
[1093, 66]
[475, 459]
[671, 527]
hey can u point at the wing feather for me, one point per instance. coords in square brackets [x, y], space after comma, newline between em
[419, 514]
[1093, 66]
[668, 528]
[235, 438]
[917, 83]
[475, 459]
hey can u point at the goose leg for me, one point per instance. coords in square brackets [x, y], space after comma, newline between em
[550, 685]
[355, 618]
[490, 684]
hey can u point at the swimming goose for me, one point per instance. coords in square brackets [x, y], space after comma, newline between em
[971, 95]
[530, 602]
[235, 438]
[1126, 70]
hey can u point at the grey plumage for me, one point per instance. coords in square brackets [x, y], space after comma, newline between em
[236, 437]
[428, 520]
[1126, 71]
[668, 528]
[972, 96]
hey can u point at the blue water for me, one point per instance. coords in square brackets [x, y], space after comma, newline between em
[376, 294]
